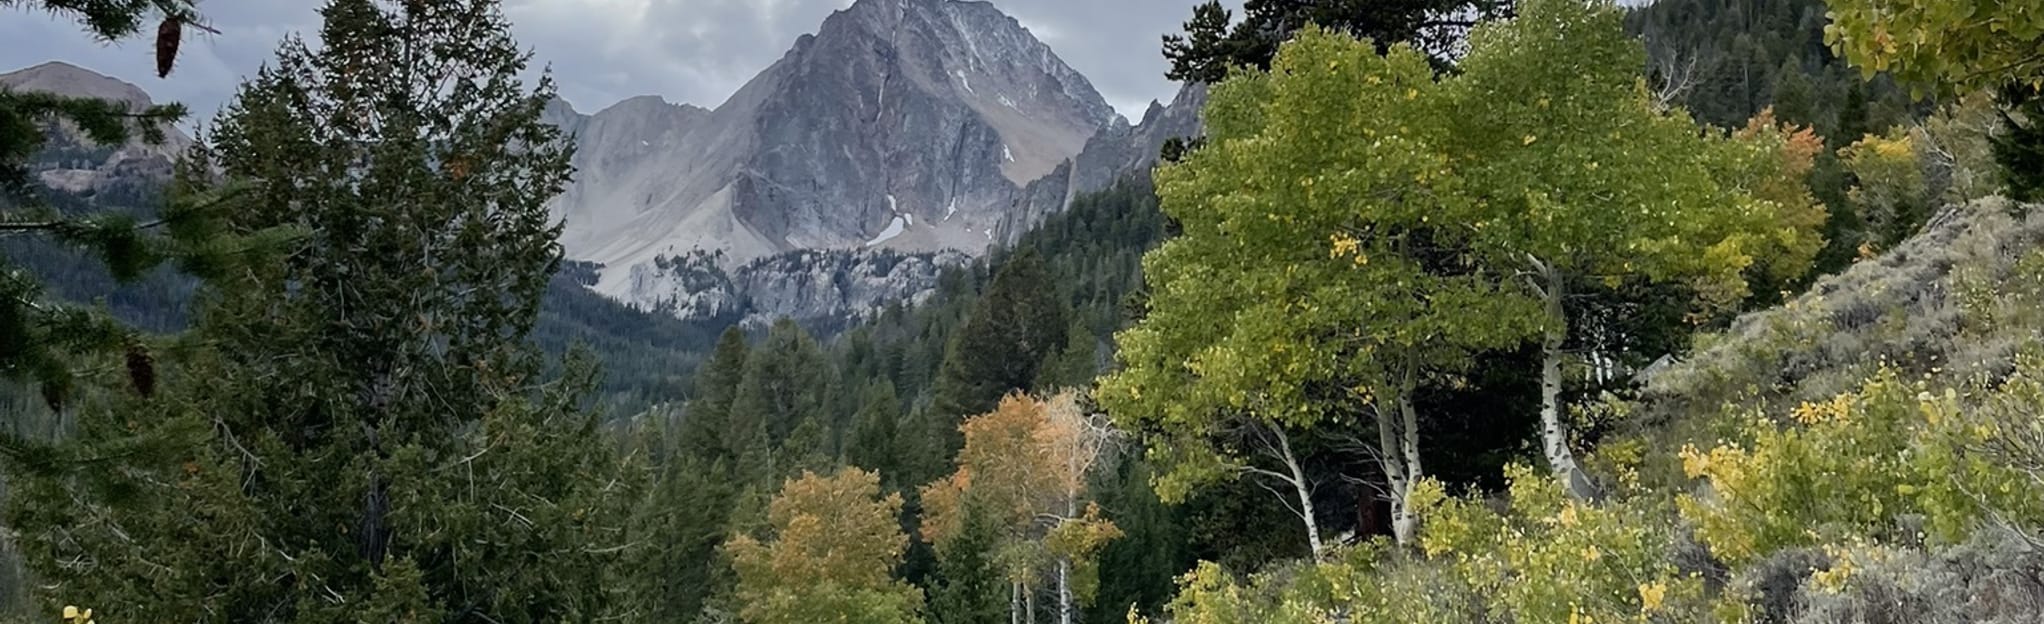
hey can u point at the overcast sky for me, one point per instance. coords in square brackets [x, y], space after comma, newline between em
[602, 51]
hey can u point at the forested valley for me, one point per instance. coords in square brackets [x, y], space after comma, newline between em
[1533, 311]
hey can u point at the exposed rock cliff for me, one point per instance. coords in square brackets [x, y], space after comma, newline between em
[902, 124]
[821, 288]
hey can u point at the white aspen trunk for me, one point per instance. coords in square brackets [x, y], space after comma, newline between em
[1300, 486]
[1554, 436]
[1405, 525]
[1014, 603]
[1029, 604]
[1064, 590]
[1064, 566]
[1390, 454]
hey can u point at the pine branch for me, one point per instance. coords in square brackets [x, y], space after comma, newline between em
[13, 229]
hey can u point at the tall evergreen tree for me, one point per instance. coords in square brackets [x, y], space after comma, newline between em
[382, 446]
[708, 420]
[785, 382]
[2019, 148]
[807, 449]
[1137, 570]
[676, 571]
[969, 588]
[873, 445]
[1073, 365]
[1012, 330]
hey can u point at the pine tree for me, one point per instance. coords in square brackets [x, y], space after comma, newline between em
[1074, 365]
[1213, 42]
[677, 570]
[381, 443]
[42, 340]
[709, 412]
[1201, 55]
[1795, 99]
[785, 382]
[807, 449]
[104, 122]
[873, 442]
[1012, 330]
[1137, 570]
[2019, 147]
[969, 588]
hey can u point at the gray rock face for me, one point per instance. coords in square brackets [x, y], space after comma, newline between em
[72, 163]
[1118, 151]
[902, 124]
[820, 288]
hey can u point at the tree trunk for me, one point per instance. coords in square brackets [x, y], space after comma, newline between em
[1014, 602]
[1064, 566]
[1301, 487]
[1391, 455]
[1029, 604]
[1554, 434]
[1064, 590]
[1407, 523]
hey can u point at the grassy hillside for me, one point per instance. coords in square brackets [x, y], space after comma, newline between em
[1956, 303]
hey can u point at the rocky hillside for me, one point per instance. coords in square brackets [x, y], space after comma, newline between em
[904, 124]
[72, 164]
[825, 289]
[1118, 151]
[1956, 301]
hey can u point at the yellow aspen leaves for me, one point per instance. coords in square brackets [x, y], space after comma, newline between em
[1652, 596]
[1343, 245]
[74, 615]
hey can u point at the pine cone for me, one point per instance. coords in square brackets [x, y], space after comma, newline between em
[168, 37]
[141, 370]
[54, 395]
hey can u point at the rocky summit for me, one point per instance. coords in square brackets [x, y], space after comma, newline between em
[910, 125]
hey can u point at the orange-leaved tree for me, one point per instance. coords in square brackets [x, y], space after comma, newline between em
[1027, 464]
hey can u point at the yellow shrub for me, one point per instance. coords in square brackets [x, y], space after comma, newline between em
[1850, 467]
[1551, 558]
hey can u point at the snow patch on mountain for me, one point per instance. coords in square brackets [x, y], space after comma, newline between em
[894, 228]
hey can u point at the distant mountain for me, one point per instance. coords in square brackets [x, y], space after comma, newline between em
[1119, 151]
[71, 80]
[73, 164]
[912, 126]
[904, 124]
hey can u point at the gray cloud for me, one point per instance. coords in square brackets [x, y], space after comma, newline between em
[602, 51]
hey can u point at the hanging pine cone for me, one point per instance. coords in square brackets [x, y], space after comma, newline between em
[54, 394]
[141, 370]
[168, 37]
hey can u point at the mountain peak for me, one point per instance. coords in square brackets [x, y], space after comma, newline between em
[655, 103]
[908, 125]
[63, 78]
